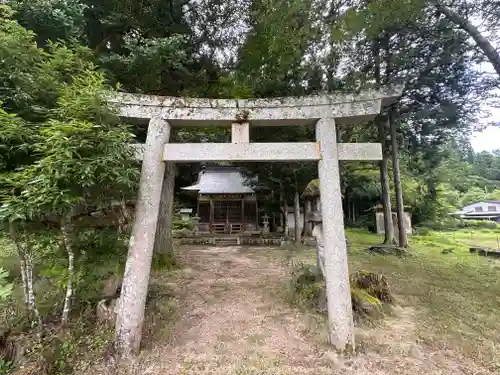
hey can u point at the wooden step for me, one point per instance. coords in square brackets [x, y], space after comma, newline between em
[227, 241]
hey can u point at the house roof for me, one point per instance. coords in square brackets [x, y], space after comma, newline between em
[221, 180]
[494, 202]
[479, 202]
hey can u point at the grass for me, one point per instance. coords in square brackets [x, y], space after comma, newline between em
[456, 295]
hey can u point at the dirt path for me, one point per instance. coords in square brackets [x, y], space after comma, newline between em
[231, 318]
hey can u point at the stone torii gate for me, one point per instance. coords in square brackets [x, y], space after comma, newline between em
[323, 112]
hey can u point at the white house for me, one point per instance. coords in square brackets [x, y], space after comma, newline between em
[483, 210]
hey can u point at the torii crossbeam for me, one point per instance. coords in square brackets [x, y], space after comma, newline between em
[323, 112]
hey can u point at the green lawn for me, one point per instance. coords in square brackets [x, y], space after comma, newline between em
[456, 295]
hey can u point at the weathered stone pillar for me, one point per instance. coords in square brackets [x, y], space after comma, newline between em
[137, 270]
[341, 326]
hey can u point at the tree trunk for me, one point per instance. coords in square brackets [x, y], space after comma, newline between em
[163, 248]
[24, 279]
[296, 215]
[284, 210]
[286, 229]
[36, 319]
[67, 234]
[24, 250]
[403, 237]
[124, 216]
[384, 164]
[353, 204]
[384, 180]
[484, 44]
[307, 224]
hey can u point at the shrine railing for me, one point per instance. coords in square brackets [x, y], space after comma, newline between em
[227, 228]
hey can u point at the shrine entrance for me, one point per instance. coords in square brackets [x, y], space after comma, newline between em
[322, 112]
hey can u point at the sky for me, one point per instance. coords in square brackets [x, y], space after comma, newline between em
[487, 140]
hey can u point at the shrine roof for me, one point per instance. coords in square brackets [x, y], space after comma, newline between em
[221, 180]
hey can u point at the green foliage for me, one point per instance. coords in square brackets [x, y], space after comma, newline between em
[83, 160]
[100, 244]
[272, 54]
[161, 55]
[18, 56]
[72, 350]
[179, 224]
[486, 224]
[166, 261]
[5, 366]
[5, 287]
[51, 19]
[306, 285]
[182, 228]
[373, 17]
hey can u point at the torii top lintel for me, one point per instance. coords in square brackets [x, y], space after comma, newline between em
[181, 111]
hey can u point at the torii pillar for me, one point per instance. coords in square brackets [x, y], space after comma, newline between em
[323, 112]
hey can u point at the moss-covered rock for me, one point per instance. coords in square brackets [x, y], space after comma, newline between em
[370, 292]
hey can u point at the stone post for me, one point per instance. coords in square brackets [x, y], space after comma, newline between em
[341, 326]
[134, 290]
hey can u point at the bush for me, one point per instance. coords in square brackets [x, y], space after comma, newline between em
[441, 225]
[486, 224]
[306, 287]
[182, 228]
[452, 223]
[5, 366]
[70, 351]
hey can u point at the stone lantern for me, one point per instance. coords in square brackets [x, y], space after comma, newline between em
[265, 222]
[196, 221]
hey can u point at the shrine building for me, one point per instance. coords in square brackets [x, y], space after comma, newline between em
[227, 203]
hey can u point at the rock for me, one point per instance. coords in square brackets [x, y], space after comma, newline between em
[321, 305]
[10, 348]
[111, 287]
[106, 310]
